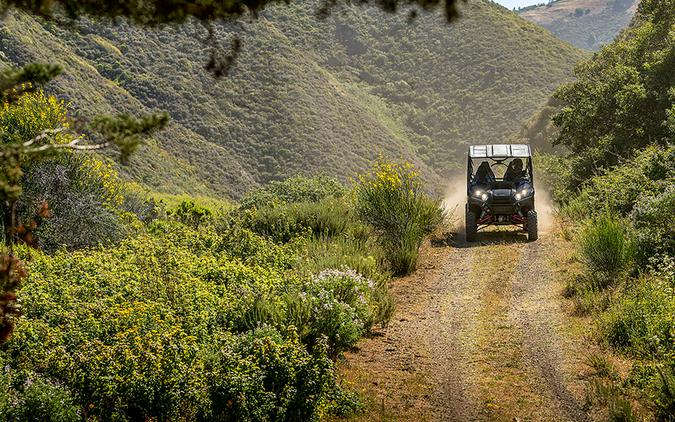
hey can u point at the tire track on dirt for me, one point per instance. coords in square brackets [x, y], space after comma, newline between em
[536, 310]
[453, 339]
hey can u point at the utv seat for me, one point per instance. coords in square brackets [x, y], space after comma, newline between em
[484, 174]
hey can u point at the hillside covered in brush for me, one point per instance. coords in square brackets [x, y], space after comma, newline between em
[586, 24]
[306, 94]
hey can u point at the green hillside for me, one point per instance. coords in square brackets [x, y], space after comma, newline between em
[306, 95]
[586, 24]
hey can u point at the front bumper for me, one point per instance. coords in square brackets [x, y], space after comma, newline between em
[501, 212]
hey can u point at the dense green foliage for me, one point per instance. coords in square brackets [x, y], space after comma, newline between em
[639, 190]
[194, 313]
[588, 24]
[185, 322]
[617, 188]
[35, 128]
[623, 99]
[306, 95]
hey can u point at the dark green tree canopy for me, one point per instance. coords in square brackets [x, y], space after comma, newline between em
[624, 97]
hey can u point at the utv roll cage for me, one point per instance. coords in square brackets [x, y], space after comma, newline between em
[498, 154]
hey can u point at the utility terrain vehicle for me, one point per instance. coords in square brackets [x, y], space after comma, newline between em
[500, 189]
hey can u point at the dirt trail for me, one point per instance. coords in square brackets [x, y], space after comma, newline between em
[478, 334]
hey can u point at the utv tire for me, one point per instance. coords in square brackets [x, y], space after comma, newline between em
[470, 225]
[532, 233]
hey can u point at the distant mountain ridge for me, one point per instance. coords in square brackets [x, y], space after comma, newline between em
[306, 95]
[586, 24]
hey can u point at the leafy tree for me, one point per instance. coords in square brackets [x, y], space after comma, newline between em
[623, 98]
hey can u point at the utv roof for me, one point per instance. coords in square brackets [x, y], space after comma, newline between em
[499, 150]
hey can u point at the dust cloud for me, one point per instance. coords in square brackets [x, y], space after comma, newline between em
[454, 199]
[545, 209]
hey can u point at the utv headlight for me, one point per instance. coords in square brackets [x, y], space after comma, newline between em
[523, 194]
[480, 194]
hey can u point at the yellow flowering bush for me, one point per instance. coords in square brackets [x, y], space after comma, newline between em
[32, 113]
[391, 198]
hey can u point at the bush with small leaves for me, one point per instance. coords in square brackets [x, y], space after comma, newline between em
[84, 199]
[190, 214]
[344, 306]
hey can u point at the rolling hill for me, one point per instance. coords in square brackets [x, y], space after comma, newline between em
[306, 95]
[585, 23]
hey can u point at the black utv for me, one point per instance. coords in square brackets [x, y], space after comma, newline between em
[500, 189]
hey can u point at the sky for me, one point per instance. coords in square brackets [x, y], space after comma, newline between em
[518, 3]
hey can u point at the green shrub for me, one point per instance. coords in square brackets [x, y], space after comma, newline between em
[40, 399]
[294, 189]
[130, 328]
[253, 249]
[391, 198]
[640, 321]
[618, 189]
[338, 305]
[184, 323]
[327, 218]
[605, 249]
[269, 376]
[345, 306]
[190, 214]
[629, 189]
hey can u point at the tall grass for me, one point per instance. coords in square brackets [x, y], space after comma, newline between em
[392, 200]
[605, 249]
[283, 222]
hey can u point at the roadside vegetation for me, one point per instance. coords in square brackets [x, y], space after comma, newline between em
[617, 194]
[178, 308]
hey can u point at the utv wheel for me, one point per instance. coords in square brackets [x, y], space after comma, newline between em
[532, 233]
[470, 225]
